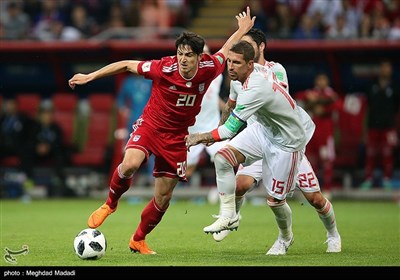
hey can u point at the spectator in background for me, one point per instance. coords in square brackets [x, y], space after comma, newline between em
[321, 102]
[46, 148]
[15, 127]
[51, 23]
[306, 29]
[352, 14]
[154, 17]
[132, 97]
[15, 23]
[116, 17]
[340, 30]
[383, 102]
[49, 12]
[324, 12]
[282, 22]
[394, 32]
[259, 12]
[84, 23]
[365, 28]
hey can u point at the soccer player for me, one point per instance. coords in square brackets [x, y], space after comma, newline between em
[249, 177]
[383, 104]
[179, 84]
[321, 102]
[207, 119]
[278, 138]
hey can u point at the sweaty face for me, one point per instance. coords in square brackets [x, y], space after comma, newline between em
[188, 61]
[238, 68]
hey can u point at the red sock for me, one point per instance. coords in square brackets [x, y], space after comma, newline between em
[118, 186]
[151, 216]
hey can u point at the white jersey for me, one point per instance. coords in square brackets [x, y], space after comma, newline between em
[281, 75]
[264, 96]
[210, 113]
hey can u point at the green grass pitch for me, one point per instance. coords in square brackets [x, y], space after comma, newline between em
[370, 234]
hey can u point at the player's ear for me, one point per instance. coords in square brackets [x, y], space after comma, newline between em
[262, 47]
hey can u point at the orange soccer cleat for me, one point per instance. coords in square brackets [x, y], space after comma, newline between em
[141, 247]
[99, 215]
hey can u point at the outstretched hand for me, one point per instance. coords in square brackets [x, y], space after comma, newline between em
[194, 139]
[78, 79]
[245, 21]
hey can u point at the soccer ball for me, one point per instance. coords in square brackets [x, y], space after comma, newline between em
[90, 244]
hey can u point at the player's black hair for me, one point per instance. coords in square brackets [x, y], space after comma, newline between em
[258, 36]
[244, 48]
[196, 42]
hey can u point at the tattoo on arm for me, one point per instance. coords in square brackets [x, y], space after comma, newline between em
[226, 112]
[205, 137]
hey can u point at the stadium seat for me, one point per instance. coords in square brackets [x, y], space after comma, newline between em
[65, 114]
[100, 126]
[29, 103]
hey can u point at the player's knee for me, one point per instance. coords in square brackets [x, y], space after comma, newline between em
[225, 159]
[316, 199]
[274, 202]
[127, 169]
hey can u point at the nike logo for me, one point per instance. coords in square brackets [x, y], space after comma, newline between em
[232, 222]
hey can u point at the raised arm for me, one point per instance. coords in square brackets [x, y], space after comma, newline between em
[108, 70]
[245, 23]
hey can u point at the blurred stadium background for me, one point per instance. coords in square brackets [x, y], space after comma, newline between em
[43, 43]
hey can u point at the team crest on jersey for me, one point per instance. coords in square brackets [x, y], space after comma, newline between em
[201, 87]
[136, 138]
[146, 66]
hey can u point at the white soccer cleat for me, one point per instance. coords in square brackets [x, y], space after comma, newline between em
[223, 223]
[219, 225]
[280, 247]
[334, 244]
[220, 235]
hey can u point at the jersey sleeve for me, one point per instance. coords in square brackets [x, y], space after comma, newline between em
[219, 61]
[149, 69]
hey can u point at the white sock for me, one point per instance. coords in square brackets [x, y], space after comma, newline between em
[327, 216]
[227, 207]
[283, 217]
[226, 181]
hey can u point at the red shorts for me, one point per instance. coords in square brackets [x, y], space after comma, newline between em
[169, 149]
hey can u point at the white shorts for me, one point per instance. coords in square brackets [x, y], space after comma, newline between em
[279, 167]
[193, 156]
[306, 182]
